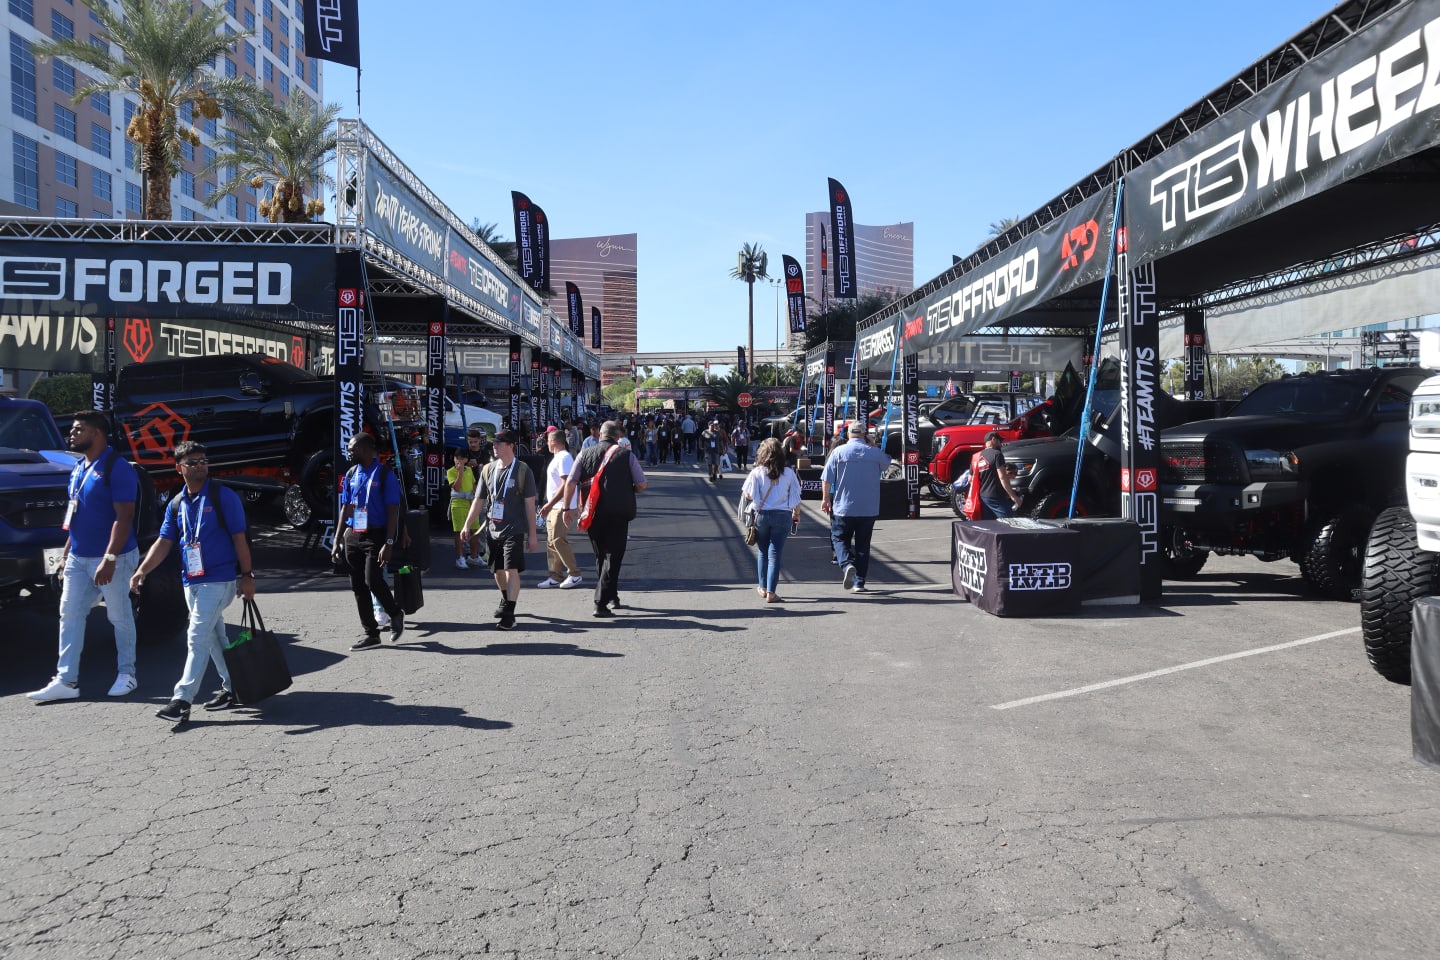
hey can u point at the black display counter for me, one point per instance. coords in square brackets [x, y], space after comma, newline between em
[1021, 567]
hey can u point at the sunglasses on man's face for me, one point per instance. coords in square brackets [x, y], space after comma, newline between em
[194, 463]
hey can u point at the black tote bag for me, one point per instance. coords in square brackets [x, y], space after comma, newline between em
[256, 663]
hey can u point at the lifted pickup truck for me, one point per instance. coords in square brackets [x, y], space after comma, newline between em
[1299, 469]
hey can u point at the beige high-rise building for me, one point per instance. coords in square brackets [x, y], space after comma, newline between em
[605, 269]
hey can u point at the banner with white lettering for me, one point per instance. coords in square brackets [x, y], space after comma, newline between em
[395, 215]
[1065, 254]
[596, 340]
[349, 354]
[516, 358]
[1140, 433]
[576, 307]
[794, 293]
[910, 405]
[332, 31]
[532, 241]
[435, 404]
[842, 225]
[473, 274]
[1364, 103]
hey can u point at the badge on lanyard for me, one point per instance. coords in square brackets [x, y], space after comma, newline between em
[69, 513]
[194, 565]
[360, 520]
[190, 552]
[497, 497]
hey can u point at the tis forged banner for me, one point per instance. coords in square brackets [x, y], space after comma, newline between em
[532, 241]
[794, 293]
[577, 308]
[1362, 104]
[910, 402]
[516, 348]
[1067, 253]
[596, 340]
[332, 31]
[842, 225]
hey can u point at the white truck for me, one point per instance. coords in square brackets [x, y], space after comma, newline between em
[1402, 557]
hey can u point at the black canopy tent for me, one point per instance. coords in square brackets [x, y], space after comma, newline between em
[1327, 143]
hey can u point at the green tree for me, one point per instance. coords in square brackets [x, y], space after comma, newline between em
[844, 317]
[284, 148]
[726, 390]
[1233, 377]
[766, 374]
[165, 49]
[1002, 226]
[504, 249]
[752, 262]
[63, 393]
[620, 394]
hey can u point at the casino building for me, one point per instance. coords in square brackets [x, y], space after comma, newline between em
[61, 159]
[884, 258]
[604, 268]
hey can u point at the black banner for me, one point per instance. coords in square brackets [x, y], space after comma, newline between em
[910, 400]
[577, 308]
[1139, 386]
[435, 408]
[349, 355]
[842, 225]
[332, 31]
[741, 367]
[537, 404]
[532, 241]
[827, 403]
[102, 384]
[515, 356]
[1194, 355]
[596, 340]
[1064, 255]
[1362, 104]
[862, 394]
[794, 293]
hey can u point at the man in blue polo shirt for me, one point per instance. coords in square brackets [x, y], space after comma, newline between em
[369, 517]
[100, 555]
[850, 493]
[208, 522]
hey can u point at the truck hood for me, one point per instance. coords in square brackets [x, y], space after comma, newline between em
[1257, 432]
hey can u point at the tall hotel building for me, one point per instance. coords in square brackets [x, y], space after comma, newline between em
[884, 259]
[604, 268]
[61, 159]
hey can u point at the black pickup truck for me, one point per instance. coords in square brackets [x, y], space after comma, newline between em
[1299, 469]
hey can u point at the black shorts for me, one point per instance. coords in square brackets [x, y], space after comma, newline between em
[507, 553]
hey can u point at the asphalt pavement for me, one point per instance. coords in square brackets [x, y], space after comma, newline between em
[895, 775]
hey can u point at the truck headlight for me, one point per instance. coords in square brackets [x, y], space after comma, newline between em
[1271, 464]
[1425, 416]
[1023, 468]
[940, 442]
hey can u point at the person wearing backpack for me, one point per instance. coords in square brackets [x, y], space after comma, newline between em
[505, 498]
[370, 518]
[207, 520]
[100, 555]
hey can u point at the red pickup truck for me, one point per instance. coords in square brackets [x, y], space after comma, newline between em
[954, 446]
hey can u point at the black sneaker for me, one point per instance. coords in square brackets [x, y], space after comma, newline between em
[176, 711]
[603, 612]
[223, 700]
[506, 622]
[615, 604]
[397, 627]
[365, 643]
[500, 608]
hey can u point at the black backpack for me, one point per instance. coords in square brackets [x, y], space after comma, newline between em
[145, 523]
[217, 486]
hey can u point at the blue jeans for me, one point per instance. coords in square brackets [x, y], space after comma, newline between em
[205, 636]
[771, 529]
[78, 596]
[997, 508]
[851, 537]
[652, 456]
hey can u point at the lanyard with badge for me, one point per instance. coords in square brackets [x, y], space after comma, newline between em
[75, 488]
[190, 538]
[360, 519]
[497, 496]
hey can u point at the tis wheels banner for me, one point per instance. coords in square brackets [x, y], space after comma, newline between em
[435, 408]
[515, 356]
[910, 397]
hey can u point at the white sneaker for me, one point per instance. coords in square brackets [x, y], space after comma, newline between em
[460, 564]
[57, 690]
[123, 684]
[859, 588]
[569, 582]
[848, 580]
[547, 583]
[382, 619]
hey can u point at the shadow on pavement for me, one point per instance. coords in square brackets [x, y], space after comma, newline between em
[512, 649]
[310, 711]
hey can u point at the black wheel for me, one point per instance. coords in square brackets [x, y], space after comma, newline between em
[160, 607]
[1179, 560]
[938, 490]
[1056, 506]
[1396, 574]
[957, 499]
[313, 497]
[1333, 552]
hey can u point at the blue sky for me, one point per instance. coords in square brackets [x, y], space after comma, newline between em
[704, 126]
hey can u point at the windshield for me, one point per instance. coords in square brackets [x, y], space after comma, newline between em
[1292, 396]
[29, 428]
[955, 410]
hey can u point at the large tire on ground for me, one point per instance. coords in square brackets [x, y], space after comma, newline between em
[1396, 574]
[938, 490]
[313, 496]
[1056, 506]
[1179, 561]
[957, 499]
[1333, 552]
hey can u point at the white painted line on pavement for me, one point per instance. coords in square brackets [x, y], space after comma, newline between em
[1168, 670]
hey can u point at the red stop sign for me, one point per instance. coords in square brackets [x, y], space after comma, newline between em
[744, 400]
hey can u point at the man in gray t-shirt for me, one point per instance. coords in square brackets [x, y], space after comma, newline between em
[505, 498]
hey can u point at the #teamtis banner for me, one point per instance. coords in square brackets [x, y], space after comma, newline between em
[577, 308]
[532, 240]
[842, 225]
[332, 31]
[435, 406]
[794, 293]
[349, 354]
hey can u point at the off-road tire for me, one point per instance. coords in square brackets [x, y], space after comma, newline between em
[1397, 573]
[1178, 562]
[312, 497]
[1332, 553]
[957, 499]
[1056, 506]
[938, 490]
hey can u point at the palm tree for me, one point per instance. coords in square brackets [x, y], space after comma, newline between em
[750, 267]
[285, 147]
[1002, 226]
[165, 46]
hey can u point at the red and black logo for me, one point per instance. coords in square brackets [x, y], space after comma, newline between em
[139, 340]
[154, 432]
[1078, 246]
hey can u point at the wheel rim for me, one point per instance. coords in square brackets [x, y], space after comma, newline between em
[297, 509]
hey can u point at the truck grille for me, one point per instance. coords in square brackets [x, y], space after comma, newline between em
[1209, 462]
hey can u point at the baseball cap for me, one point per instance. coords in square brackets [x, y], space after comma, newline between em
[857, 429]
[507, 436]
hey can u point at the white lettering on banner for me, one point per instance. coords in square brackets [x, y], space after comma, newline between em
[349, 411]
[527, 257]
[186, 341]
[1145, 397]
[332, 23]
[842, 250]
[1040, 576]
[532, 317]
[1317, 126]
[78, 334]
[485, 283]
[408, 223]
[402, 359]
[811, 486]
[986, 293]
[973, 566]
[232, 283]
[435, 403]
[348, 336]
[1147, 516]
[877, 344]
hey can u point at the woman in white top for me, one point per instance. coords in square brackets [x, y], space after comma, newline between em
[775, 491]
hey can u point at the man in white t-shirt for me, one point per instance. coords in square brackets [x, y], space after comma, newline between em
[558, 516]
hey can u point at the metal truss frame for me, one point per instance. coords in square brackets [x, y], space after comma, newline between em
[163, 231]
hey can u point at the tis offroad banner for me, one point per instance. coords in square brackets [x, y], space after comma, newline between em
[596, 340]
[794, 293]
[842, 227]
[332, 31]
[435, 407]
[1364, 103]
[513, 422]
[349, 354]
[1065, 254]
[473, 274]
[740, 364]
[532, 241]
[577, 308]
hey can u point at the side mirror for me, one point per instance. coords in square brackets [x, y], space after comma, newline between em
[252, 386]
